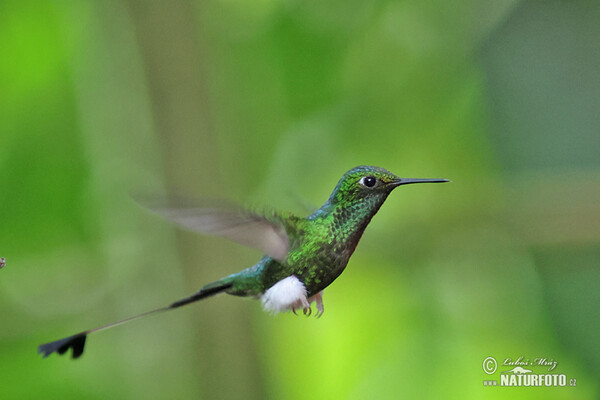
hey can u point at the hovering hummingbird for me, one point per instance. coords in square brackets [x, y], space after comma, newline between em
[302, 255]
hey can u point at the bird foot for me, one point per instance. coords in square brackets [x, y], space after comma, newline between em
[318, 298]
[305, 305]
[302, 303]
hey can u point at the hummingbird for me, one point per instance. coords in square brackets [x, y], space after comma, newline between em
[302, 255]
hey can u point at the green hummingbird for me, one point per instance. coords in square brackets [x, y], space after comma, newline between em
[302, 255]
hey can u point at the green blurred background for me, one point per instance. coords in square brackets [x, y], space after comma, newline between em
[268, 103]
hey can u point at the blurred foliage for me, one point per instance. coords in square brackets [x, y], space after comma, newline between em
[269, 103]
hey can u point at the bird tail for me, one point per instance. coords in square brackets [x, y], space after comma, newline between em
[208, 290]
[77, 341]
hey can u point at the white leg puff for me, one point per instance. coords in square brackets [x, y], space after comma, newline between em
[287, 294]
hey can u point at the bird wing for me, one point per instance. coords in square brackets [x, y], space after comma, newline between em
[268, 233]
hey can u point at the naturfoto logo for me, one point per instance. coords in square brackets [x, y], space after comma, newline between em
[523, 372]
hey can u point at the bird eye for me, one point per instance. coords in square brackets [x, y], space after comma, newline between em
[368, 181]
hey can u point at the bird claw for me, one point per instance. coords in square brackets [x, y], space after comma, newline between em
[305, 310]
[319, 312]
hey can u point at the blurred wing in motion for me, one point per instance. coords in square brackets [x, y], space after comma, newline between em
[267, 234]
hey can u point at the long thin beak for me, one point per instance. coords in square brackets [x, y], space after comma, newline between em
[406, 181]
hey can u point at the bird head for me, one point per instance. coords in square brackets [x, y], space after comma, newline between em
[371, 185]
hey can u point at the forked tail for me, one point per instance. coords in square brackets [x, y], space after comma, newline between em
[77, 341]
